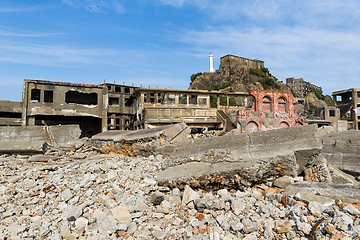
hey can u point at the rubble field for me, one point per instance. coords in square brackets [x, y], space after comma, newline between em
[108, 196]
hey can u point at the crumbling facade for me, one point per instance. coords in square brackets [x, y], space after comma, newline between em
[10, 113]
[301, 87]
[348, 101]
[158, 107]
[268, 110]
[235, 60]
[96, 108]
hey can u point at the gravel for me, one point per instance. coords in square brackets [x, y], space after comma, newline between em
[116, 197]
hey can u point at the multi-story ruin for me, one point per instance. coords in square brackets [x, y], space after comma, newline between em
[95, 108]
[348, 101]
[301, 87]
[159, 106]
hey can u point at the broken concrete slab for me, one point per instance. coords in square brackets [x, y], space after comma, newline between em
[241, 160]
[245, 146]
[342, 150]
[345, 193]
[133, 143]
[31, 139]
[233, 175]
[339, 177]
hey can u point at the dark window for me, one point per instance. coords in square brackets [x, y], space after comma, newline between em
[113, 101]
[81, 98]
[152, 94]
[127, 90]
[48, 96]
[109, 88]
[35, 95]
[301, 102]
[126, 99]
[332, 113]
[117, 120]
[117, 89]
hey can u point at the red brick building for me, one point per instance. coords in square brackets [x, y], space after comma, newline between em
[268, 110]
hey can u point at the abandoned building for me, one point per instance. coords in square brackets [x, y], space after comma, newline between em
[348, 101]
[235, 60]
[159, 106]
[268, 110]
[10, 113]
[301, 87]
[96, 108]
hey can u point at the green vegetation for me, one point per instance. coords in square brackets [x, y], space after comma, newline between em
[223, 102]
[292, 91]
[312, 106]
[194, 76]
[318, 95]
[226, 84]
[269, 82]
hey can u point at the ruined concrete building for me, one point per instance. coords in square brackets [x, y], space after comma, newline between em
[235, 60]
[301, 87]
[96, 108]
[348, 101]
[158, 107]
[268, 110]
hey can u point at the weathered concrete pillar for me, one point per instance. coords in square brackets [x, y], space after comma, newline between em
[104, 109]
[24, 102]
[176, 99]
[208, 102]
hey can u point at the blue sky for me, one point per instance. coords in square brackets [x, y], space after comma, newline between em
[162, 42]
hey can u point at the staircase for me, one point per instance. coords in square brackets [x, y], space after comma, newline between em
[226, 121]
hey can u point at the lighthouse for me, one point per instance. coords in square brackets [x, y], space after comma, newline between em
[211, 62]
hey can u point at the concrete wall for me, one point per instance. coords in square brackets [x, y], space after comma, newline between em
[232, 59]
[31, 138]
[10, 113]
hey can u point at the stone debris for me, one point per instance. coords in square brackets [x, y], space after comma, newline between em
[118, 197]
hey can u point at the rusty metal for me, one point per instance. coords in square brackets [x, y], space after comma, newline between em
[313, 231]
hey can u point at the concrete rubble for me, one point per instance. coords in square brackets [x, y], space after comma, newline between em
[33, 139]
[248, 186]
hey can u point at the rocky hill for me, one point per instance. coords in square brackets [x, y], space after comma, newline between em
[237, 78]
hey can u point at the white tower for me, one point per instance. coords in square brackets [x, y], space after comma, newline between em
[211, 63]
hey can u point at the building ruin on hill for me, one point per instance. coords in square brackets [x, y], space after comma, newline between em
[301, 87]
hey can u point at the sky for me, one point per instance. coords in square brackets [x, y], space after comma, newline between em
[161, 43]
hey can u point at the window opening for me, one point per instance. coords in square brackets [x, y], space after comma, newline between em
[127, 90]
[267, 104]
[332, 113]
[35, 95]
[282, 104]
[48, 96]
[193, 99]
[72, 97]
[113, 101]
[117, 89]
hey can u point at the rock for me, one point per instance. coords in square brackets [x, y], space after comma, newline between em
[66, 195]
[283, 181]
[282, 226]
[251, 227]
[157, 197]
[80, 224]
[15, 229]
[120, 213]
[351, 209]
[189, 195]
[105, 224]
[73, 211]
